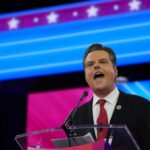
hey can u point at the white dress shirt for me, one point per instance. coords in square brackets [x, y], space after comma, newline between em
[111, 100]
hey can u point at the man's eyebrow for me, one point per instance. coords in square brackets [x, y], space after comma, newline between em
[88, 62]
[103, 59]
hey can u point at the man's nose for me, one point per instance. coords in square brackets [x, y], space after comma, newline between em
[96, 66]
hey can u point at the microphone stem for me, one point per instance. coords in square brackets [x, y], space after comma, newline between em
[69, 121]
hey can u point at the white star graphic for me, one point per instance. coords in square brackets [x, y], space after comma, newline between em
[116, 7]
[35, 19]
[134, 5]
[13, 23]
[92, 11]
[75, 13]
[52, 17]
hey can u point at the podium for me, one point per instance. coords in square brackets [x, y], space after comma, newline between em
[80, 137]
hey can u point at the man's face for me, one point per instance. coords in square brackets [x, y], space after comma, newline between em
[100, 73]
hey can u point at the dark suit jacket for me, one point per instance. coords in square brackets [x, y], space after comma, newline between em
[135, 113]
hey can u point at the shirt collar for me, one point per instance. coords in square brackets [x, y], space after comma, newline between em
[111, 97]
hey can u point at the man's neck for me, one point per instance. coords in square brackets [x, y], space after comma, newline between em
[103, 93]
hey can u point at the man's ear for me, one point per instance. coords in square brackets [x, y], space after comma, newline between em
[116, 71]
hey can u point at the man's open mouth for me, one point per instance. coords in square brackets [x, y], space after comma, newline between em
[98, 75]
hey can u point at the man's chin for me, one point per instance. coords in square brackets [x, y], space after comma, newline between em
[100, 89]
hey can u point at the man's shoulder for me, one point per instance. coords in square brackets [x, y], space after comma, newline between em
[133, 98]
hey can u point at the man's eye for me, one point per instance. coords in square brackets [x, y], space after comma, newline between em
[89, 64]
[103, 61]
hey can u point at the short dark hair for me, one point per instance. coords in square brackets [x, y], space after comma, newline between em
[100, 47]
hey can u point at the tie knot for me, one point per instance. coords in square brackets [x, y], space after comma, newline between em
[102, 102]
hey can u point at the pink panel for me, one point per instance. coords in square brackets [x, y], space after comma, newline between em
[49, 109]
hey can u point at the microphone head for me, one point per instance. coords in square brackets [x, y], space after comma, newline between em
[85, 93]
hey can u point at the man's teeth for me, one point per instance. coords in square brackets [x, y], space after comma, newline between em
[98, 74]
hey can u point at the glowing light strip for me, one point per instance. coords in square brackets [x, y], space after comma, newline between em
[134, 54]
[128, 88]
[40, 66]
[127, 40]
[82, 46]
[142, 88]
[74, 34]
[43, 52]
[63, 63]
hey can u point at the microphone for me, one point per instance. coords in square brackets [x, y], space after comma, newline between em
[85, 94]
[69, 121]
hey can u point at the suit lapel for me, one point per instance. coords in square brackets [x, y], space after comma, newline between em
[119, 109]
[89, 113]
[89, 119]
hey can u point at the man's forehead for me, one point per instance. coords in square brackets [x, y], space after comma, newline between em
[98, 54]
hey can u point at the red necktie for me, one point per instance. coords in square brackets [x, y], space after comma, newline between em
[102, 120]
